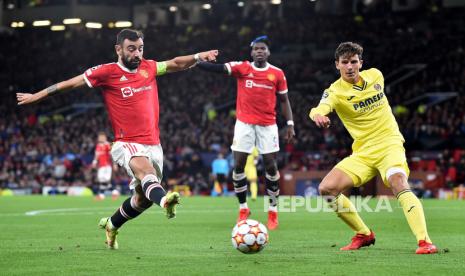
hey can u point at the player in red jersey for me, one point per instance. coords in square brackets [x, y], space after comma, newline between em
[129, 88]
[102, 162]
[258, 85]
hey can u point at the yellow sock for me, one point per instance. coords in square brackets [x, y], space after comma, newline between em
[347, 212]
[253, 189]
[413, 211]
[217, 187]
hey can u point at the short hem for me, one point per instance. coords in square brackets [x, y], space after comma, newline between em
[355, 179]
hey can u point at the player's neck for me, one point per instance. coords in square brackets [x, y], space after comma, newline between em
[357, 81]
[121, 65]
[260, 64]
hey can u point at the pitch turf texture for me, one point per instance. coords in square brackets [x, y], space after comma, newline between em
[59, 235]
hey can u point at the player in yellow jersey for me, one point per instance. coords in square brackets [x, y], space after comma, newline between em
[359, 100]
[251, 172]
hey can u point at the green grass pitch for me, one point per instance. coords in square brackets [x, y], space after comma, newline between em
[64, 239]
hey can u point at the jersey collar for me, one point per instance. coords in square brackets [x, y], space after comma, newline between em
[126, 69]
[260, 69]
[348, 85]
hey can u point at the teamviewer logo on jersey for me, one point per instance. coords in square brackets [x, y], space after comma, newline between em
[126, 91]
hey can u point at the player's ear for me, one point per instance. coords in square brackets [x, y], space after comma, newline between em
[118, 49]
[361, 63]
[336, 63]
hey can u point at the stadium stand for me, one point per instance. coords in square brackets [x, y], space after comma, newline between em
[52, 144]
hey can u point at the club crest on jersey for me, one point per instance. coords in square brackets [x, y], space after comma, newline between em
[144, 73]
[271, 77]
[377, 87]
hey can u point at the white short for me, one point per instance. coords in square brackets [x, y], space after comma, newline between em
[104, 174]
[122, 152]
[247, 136]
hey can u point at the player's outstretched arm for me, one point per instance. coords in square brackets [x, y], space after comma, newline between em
[27, 98]
[213, 67]
[183, 62]
[287, 112]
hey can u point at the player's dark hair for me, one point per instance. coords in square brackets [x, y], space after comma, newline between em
[348, 49]
[130, 34]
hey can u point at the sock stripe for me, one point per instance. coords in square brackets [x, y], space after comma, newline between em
[238, 176]
[403, 192]
[272, 177]
[151, 187]
[123, 213]
[240, 189]
[149, 178]
[272, 193]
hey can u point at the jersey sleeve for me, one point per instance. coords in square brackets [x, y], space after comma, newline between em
[282, 84]
[236, 68]
[158, 67]
[96, 76]
[378, 76]
[327, 104]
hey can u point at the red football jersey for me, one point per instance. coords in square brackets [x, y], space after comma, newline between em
[256, 91]
[102, 154]
[131, 98]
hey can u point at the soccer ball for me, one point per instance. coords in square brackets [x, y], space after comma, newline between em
[249, 236]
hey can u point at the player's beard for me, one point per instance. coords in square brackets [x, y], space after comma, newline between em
[130, 64]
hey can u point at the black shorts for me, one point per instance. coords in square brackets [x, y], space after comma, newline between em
[221, 177]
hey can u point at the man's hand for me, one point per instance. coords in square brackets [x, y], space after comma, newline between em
[25, 98]
[208, 55]
[290, 133]
[322, 121]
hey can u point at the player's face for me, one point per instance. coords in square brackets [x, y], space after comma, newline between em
[349, 67]
[260, 52]
[130, 53]
[102, 138]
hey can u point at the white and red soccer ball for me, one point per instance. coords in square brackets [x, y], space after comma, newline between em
[249, 236]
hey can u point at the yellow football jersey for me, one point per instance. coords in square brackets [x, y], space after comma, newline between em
[363, 109]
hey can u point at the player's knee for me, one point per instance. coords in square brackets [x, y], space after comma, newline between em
[141, 174]
[398, 182]
[327, 188]
[239, 162]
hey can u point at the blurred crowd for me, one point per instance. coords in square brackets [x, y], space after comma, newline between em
[53, 143]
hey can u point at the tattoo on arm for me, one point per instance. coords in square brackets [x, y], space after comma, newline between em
[53, 89]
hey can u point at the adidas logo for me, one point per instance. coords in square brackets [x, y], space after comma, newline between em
[123, 78]
[250, 75]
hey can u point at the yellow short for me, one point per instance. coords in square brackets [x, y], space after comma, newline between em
[364, 165]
